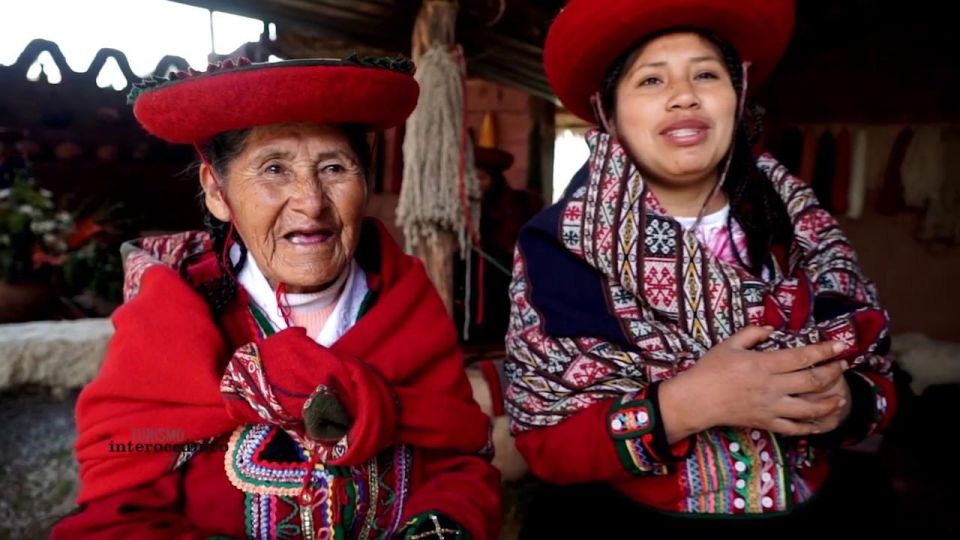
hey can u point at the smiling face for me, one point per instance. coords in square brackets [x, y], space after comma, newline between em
[296, 195]
[674, 110]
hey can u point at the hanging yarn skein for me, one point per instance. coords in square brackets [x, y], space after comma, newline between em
[440, 194]
[430, 198]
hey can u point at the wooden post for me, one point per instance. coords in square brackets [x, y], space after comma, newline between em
[544, 120]
[437, 255]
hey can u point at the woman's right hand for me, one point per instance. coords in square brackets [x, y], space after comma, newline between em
[733, 385]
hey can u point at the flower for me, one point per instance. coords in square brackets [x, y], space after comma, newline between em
[33, 232]
[76, 252]
[38, 238]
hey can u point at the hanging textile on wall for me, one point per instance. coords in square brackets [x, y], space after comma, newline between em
[891, 200]
[841, 174]
[880, 140]
[857, 192]
[905, 166]
[922, 167]
[824, 170]
[809, 157]
[790, 149]
[942, 221]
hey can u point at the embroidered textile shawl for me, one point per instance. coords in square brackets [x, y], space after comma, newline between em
[667, 298]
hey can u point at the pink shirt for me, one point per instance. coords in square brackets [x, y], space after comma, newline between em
[312, 320]
[312, 310]
[719, 236]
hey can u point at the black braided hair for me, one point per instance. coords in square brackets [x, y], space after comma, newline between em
[220, 152]
[754, 202]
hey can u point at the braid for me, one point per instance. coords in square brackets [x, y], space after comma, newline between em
[220, 292]
[608, 88]
[754, 202]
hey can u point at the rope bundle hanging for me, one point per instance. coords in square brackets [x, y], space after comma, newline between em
[440, 191]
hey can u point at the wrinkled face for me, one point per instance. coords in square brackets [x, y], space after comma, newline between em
[675, 109]
[296, 195]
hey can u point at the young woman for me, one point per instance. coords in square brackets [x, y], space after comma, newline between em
[690, 332]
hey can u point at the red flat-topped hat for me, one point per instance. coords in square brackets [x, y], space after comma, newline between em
[492, 158]
[589, 35]
[192, 107]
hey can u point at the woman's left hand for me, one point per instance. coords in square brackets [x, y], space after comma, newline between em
[831, 421]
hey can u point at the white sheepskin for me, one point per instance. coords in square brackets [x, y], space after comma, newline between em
[928, 361]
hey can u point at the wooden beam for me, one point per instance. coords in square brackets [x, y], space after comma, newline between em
[383, 28]
[499, 72]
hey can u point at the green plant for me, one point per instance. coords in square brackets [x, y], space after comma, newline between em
[39, 238]
[95, 267]
[34, 233]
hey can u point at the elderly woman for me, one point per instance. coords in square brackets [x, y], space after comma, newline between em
[289, 373]
[690, 332]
